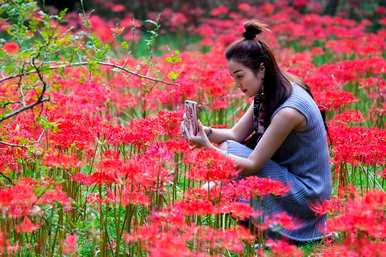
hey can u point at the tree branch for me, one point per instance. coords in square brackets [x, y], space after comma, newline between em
[84, 64]
[24, 108]
[41, 79]
[12, 144]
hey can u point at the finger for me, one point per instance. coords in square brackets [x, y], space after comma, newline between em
[200, 126]
[183, 133]
[187, 131]
[182, 126]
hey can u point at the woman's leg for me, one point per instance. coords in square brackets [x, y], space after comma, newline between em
[293, 203]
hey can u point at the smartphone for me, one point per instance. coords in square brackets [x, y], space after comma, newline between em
[191, 116]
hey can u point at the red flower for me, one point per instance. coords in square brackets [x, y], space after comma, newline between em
[26, 226]
[284, 249]
[254, 186]
[244, 7]
[102, 29]
[11, 48]
[282, 220]
[238, 210]
[350, 116]
[219, 11]
[69, 244]
[209, 165]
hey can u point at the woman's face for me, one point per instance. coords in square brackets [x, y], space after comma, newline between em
[246, 80]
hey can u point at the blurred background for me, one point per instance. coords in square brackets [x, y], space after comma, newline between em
[352, 9]
[179, 19]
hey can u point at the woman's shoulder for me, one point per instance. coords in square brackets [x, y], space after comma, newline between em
[300, 97]
[301, 101]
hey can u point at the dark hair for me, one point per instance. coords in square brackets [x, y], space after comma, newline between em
[251, 53]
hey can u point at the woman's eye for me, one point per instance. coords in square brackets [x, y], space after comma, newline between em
[239, 77]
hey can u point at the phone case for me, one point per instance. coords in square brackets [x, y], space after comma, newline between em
[191, 115]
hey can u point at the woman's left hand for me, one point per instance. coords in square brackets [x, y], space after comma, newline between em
[201, 139]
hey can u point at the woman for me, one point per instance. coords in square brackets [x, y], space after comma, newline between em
[291, 144]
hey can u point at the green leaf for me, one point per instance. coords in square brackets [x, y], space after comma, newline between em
[46, 124]
[173, 75]
[125, 45]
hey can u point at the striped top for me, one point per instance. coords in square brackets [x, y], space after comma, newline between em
[305, 154]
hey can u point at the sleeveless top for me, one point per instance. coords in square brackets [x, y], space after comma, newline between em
[306, 153]
[304, 158]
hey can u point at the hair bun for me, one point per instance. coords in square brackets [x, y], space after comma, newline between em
[253, 28]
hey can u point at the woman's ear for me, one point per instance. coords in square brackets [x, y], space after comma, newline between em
[262, 67]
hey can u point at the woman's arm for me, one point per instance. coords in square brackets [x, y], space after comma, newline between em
[238, 132]
[285, 121]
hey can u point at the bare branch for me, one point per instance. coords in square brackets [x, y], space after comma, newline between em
[84, 64]
[12, 144]
[41, 79]
[7, 178]
[24, 108]
[20, 87]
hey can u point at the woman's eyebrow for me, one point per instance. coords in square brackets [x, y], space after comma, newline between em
[236, 71]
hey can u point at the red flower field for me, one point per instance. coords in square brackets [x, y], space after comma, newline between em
[92, 162]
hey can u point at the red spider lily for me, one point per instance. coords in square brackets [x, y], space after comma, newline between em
[209, 165]
[4, 242]
[231, 239]
[323, 208]
[82, 179]
[115, 7]
[333, 98]
[129, 195]
[382, 173]
[238, 210]
[282, 220]
[130, 22]
[350, 147]
[218, 195]
[177, 145]
[167, 227]
[70, 244]
[141, 132]
[102, 177]
[170, 122]
[65, 137]
[26, 226]
[8, 157]
[196, 207]
[367, 249]
[349, 116]
[375, 87]
[221, 10]
[86, 98]
[11, 48]
[244, 7]
[169, 230]
[284, 249]
[61, 160]
[56, 195]
[4, 25]
[252, 186]
[361, 219]
[18, 200]
[102, 29]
